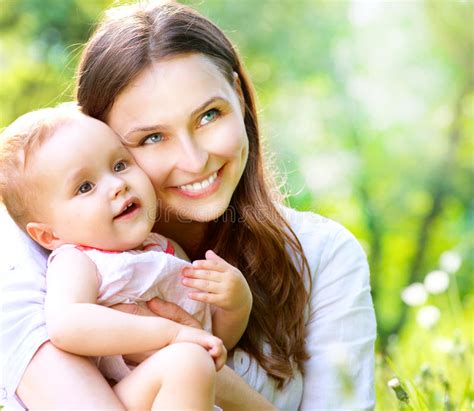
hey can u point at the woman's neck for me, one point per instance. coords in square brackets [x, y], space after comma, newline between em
[188, 235]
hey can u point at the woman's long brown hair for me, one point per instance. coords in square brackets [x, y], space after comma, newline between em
[252, 235]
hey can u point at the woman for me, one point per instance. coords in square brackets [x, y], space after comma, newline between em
[173, 88]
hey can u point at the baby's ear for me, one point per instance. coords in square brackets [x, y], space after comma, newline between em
[43, 235]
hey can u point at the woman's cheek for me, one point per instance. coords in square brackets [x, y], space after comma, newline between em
[152, 165]
[235, 142]
[157, 180]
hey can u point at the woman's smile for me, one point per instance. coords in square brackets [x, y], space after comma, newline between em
[201, 188]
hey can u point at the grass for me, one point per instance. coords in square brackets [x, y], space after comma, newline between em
[434, 365]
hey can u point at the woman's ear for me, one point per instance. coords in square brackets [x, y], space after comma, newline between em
[43, 235]
[238, 89]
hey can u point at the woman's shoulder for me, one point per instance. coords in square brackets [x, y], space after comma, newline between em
[16, 246]
[328, 245]
[306, 222]
[320, 231]
[340, 316]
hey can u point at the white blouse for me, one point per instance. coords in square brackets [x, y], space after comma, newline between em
[340, 319]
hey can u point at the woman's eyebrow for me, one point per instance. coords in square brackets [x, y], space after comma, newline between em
[207, 103]
[134, 130]
[154, 127]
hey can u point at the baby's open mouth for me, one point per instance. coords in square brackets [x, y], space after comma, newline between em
[129, 208]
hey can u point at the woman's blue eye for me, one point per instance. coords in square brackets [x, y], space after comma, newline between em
[120, 166]
[153, 138]
[209, 116]
[85, 187]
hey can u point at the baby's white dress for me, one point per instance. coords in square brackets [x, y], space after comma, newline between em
[137, 276]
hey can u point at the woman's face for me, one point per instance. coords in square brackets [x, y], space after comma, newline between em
[183, 123]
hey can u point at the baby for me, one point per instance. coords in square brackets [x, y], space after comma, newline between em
[67, 180]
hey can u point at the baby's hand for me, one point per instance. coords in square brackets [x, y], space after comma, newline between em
[219, 283]
[213, 345]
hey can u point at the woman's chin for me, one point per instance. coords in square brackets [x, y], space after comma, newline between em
[208, 214]
[201, 214]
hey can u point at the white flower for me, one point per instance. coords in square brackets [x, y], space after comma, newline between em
[443, 344]
[394, 382]
[436, 282]
[450, 261]
[428, 316]
[400, 392]
[414, 294]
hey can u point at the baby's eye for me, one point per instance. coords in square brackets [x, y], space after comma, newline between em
[120, 166]
[153, 138]
[85, 187]
[209, 116]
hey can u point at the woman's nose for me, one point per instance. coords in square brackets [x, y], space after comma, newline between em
[192, 156]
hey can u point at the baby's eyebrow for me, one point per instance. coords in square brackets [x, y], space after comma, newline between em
[155, 127]
[75, 175]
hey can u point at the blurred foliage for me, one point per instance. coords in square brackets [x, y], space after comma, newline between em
[367, 107]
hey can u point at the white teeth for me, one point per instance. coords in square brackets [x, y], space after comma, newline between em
[200, 185]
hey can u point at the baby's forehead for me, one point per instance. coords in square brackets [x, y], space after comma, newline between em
[79, 121]
[86, 130]
[82, 139]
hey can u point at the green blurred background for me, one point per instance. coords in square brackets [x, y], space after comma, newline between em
[367, 110]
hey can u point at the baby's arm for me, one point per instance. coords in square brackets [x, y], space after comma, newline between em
[221, 284]
[78, 325]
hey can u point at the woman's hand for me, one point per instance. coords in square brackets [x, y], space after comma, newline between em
[219, 283]
[163, 309]
[172, 312]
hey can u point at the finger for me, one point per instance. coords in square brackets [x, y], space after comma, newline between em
[220, 361]
[172, 312]
[205, 298]
[201, 285]
[216, 264]
[203, 274]
[213, 345]
[211, 255]
[210, 265]
[219, 354]
[133, 309]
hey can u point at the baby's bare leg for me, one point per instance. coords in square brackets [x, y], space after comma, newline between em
[57, 380]
[180, 376]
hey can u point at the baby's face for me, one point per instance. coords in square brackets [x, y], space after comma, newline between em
[90, 190]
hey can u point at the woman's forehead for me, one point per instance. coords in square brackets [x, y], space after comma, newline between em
[176, 73]
[169, 89]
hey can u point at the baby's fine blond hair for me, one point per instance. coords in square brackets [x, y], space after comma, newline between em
[18, 142]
